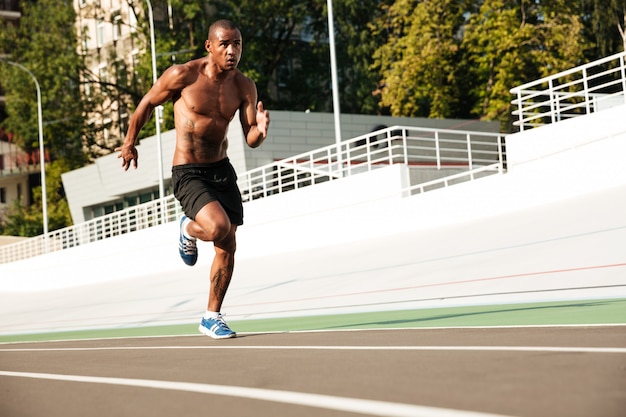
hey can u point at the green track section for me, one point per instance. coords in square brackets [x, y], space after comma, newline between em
[579, 312]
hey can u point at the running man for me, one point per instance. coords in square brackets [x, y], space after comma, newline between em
[206, 92]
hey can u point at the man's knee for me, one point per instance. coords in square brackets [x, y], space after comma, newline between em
[213, 223]
[215, 231]
[228, 244]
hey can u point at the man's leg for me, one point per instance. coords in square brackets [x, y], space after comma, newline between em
[212, 224]
[222, 269]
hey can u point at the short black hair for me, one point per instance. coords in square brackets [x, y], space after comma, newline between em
[222, 24]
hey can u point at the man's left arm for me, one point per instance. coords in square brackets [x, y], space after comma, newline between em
[255, 120]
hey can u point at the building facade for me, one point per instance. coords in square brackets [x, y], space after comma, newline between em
[18, 170]
[110, 45]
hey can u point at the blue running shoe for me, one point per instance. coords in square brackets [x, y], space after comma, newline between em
[216, 328]
[187, 247]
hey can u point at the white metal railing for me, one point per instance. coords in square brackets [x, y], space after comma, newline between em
[456, 178]
[416, 147]
[124, 221]
[474, 152]
[575, 92]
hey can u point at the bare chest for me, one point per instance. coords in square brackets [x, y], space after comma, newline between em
[212, 99]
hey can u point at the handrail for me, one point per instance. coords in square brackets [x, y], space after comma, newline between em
[392, 145]
[419, 148]
[582, 90]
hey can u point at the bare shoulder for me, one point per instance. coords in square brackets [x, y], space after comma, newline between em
[182, 74]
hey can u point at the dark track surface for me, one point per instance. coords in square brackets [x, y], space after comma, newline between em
[521, 371]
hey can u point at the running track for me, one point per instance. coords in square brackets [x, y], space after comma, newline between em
[522, 371]
[566, 250]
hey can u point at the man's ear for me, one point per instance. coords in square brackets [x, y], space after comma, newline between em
[207, 46]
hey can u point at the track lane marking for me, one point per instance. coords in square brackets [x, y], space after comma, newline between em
[558, 349]
[351, 405]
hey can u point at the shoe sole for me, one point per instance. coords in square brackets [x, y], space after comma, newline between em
[212, 335]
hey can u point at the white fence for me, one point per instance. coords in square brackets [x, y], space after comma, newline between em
[575, 92]
[415, 147]
[473, 152]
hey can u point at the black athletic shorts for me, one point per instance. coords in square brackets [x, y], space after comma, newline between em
[196, 185]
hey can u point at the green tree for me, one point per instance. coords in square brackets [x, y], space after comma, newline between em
[605, 27]
[45, 43]
[510, 42]
[279, 53]
[21, 220]
[417, 63]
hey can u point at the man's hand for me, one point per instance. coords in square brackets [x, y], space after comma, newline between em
[262, 119]
[129, 155]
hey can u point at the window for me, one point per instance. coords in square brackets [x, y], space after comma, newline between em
[3, 195]
[106, 129]
[103, 72]
[121, 75]
[85, 38]
[100, 32]
[123, 120]
[145, 197]
[131, 200]
[133, 21]
[117, 27]
[134, 58]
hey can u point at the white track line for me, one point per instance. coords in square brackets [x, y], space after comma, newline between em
[559, 349]
[386, 329]
[351, 405]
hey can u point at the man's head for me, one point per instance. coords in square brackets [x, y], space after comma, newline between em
[224, 44]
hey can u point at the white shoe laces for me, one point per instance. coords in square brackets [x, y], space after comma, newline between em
[189, 246]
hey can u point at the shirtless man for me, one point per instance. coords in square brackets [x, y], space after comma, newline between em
[206, 92]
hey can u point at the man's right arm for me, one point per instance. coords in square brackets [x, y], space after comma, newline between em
[161, 91]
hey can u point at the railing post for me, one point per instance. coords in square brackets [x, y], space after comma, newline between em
[623, 71]
[552, 101]
[264, 182]
[295, 174]
[368, 153]
[348, 160]
[469, 154]
[405, 146]
[437, 150]
[520, 110]
[586, 90]
[500, 155]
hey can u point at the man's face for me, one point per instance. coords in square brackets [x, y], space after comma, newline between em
[225, 47]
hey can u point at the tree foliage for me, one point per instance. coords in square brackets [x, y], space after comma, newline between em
[508, 43]
[605, 27]
[417, 63]
[22, 220]
[458, 58]
[44, 43]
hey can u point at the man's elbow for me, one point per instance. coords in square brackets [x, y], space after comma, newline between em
[255, 143]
